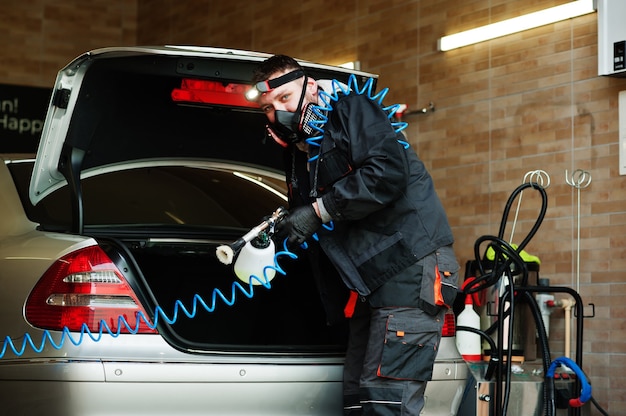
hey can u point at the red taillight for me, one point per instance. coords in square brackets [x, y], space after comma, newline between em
[449, 326]
[85, 287]
[212, 92]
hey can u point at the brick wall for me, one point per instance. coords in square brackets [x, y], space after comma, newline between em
[502, 108]
[41, 36]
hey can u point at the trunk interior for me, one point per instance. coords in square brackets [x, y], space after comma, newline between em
[231, 315]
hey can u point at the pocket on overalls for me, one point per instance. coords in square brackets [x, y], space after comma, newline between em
[439, 280]
[410, 349]
[333, 165]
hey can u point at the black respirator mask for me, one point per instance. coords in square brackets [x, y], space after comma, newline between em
[290, 127]
[293, 127]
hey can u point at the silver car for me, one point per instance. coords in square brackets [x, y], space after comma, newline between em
[113, 300]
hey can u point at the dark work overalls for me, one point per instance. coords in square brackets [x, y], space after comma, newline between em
[391, 244]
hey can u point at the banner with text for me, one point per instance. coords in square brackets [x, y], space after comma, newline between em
[22, 113]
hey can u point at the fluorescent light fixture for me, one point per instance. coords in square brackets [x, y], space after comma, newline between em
[517, 24]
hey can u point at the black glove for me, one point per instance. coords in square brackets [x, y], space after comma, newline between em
[301, 223]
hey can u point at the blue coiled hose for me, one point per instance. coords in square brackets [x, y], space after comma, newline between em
[197, 304]
[338, 89]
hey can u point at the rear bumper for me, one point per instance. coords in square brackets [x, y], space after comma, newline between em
[58, 382]
[92, 388]
[226, 387]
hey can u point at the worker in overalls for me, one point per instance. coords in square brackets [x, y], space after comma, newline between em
[373, 207]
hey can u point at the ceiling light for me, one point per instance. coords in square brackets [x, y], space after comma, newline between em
[517, 24]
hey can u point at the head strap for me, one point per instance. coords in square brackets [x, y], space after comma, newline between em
[266, 86]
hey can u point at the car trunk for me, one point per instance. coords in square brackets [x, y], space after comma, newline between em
[161, 223]
[213, 311]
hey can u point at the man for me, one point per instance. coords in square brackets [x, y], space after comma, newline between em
[386, 232]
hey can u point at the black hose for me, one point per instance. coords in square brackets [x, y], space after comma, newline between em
[482, 334]
[548, 393]
[540, 217]
[597, 405]
[579, 323]
[504, 257]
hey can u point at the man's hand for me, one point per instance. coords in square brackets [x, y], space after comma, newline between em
[301, 223]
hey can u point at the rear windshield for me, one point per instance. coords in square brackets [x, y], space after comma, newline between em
[159, 196]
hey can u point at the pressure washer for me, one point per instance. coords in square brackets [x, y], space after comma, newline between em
[505, 380]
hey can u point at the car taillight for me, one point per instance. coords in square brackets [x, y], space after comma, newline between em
[449, 326]
[212, 92]
[85, 288]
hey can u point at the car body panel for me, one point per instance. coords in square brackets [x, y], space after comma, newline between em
[13, 221]
[86, 388]
[24, 251]
[166, 399]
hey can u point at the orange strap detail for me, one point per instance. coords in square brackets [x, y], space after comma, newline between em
[348, 310]
[437, 288]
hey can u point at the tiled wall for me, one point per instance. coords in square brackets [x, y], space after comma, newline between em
[503, 108]
[41, 36]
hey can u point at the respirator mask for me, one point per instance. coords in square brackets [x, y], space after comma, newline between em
[293, 127]
[290, 127]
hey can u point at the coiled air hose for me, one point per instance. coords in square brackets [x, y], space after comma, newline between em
[197, 304]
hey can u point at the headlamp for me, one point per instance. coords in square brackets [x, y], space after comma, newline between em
[266, 86]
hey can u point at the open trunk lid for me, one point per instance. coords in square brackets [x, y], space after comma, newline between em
[116, 105]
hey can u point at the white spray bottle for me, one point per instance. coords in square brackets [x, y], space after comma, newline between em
[468, 343]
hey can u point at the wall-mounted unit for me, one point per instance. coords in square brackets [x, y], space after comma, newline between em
[612, 37]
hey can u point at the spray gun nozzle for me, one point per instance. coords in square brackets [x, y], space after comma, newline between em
[227, 252]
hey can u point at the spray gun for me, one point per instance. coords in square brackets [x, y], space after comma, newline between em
[254, 251]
